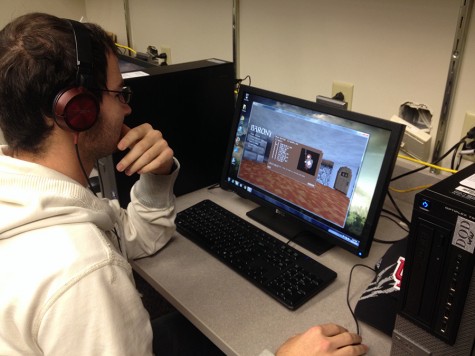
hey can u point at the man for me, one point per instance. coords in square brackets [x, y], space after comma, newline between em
[66, 285]
[67, 288]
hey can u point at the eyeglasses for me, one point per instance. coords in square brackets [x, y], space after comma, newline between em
[124, 95]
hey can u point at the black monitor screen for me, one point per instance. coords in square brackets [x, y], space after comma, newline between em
[319, 173]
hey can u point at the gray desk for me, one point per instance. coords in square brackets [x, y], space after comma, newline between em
[237, 316]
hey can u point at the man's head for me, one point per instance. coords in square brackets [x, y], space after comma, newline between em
[38, 61]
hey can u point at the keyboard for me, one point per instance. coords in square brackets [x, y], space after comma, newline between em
[283, 272]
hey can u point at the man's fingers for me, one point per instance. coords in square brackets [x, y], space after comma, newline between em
[331, 329]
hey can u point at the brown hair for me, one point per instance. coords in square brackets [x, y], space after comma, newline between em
[37, 60]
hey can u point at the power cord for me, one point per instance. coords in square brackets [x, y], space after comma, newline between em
[470, 135]
[468, 148]
[454, 148]
[393, 216]
[239, 81]
[401, 215]
[214, 186]
[425, 164]
[86, 176]
[348, 294]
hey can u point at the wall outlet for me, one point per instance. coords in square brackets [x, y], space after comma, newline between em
[168, 51]
[346, 89]
[468, 123]
[415, 142]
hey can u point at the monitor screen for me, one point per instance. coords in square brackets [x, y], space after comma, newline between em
[319, 173]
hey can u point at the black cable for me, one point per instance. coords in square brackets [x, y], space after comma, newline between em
[394, 221]
[239, 81]
[435, 162]
[99, 175]
[114, 231]
[348, 294]
[246, 77]
[391, 213]
[457, 167]
[454, 154]
[214, 186]
[83, 170]
[403, 217]
[387, 242]
[466, 146]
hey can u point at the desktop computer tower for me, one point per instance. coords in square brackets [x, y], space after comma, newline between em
[437, 302]
[192, 104]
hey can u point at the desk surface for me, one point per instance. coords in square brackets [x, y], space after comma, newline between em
[237, 316]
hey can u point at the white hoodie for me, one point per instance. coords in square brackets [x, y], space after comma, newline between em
[65, 288]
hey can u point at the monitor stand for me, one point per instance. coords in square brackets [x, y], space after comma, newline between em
[290, 228]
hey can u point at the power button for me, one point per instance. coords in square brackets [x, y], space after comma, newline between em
[425, 204]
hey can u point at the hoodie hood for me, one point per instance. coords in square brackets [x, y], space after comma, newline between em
[33, 197]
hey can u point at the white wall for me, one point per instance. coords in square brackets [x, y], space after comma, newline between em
[110, 15]
[392, 51]
[64, 8]
[194, 30]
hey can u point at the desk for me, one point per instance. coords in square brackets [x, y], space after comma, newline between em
[237, 316]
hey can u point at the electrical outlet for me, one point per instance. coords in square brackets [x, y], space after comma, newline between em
[346, 89]
[468, 123]
[168, 52]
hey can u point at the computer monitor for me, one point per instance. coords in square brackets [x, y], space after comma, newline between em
[319, 173]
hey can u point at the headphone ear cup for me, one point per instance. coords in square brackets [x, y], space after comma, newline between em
[75, 109]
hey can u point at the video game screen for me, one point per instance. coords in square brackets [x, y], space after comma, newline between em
[322, 165]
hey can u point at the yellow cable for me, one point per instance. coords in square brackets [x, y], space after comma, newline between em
[409, 189]
[427, 164]
[125, 47]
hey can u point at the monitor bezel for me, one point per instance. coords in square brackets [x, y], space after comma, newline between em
[390, 156]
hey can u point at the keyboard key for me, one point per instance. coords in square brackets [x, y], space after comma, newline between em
[283, 272]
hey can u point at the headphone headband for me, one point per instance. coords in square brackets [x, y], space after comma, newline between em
[76, 108]
[83, 53]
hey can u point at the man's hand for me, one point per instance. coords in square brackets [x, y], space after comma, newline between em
[149, 152]
[327, 339]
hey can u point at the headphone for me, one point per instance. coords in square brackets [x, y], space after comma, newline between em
[76, 108]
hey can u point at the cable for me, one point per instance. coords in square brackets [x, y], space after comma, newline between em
[348, 294]
[239, 81]
[214, 186]
[467, 149]
[450, 170]
[76, 146]
[433, 164]
[76, 138]
[408, 190]
[127, 48]
[391, 213]
[454, 155]
[402, 225]
[387, 242]
[402, 216]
